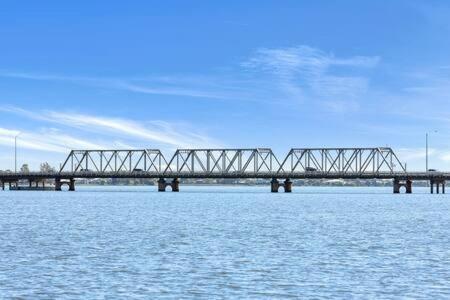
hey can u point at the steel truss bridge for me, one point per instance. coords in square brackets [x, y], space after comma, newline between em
[299, 163]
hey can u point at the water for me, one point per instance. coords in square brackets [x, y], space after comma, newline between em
[224, 242]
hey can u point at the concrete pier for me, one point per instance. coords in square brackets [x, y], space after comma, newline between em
[60, 182]
[398, 184]
[437, 183]
[174, 185]
[275, 185]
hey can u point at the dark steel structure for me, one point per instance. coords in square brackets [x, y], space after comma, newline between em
[114, 161]
[341, 161]
[222, 163]
[299, 163]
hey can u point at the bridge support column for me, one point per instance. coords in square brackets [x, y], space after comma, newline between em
[274, 185]
[13, 185]
[408, 186]
[438, 183]
[3, 185]
[72, 185]
[397, 185]
[175, 185]
[287, 186]
[57, 184]
[161, 185]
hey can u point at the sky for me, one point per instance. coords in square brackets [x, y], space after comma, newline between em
[236, 74]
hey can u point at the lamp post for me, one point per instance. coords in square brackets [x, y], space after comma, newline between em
[426, 150]
[15, 152]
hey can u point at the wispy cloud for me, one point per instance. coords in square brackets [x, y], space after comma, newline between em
[186, 86]
[158, 133]
[54, 140]
[305, 73]
[411, 154]
[301, 73]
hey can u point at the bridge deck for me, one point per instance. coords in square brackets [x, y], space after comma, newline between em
[232, 175]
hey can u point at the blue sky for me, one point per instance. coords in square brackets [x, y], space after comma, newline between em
[170, 74]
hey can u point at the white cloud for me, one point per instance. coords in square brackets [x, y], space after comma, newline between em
[409, 154]
[305, 73]
[47, 140]
[156, 132]
[446, 157]
[171, 86]
[301, 73]
[303, 59]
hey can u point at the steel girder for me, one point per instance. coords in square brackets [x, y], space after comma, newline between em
[223, 161]
[114, 161]
[257, 162]
[341, 161]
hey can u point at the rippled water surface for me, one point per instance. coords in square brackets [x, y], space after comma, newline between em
[224, 242]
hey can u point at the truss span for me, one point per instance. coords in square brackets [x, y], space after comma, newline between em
[341, 161]
[229, 162]
[235, 163]
[114, 161]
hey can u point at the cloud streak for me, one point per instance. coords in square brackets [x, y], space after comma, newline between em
[54, 141]
[301, 73]
[305, 73]
[168, 86]
[159, 133]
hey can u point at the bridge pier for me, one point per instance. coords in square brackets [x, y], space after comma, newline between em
[437, 183]
[3, 185]
[175, 185]
[72, 185]
[163, 184]
[13, 183]
[59, 183]
[287, 186]
[400, 183]
[30, 183]
[275, 185]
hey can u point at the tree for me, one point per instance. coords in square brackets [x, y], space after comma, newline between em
[46, 168]
[25, 168]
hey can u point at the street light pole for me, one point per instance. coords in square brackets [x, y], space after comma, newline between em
[15, 152]
[426, 152]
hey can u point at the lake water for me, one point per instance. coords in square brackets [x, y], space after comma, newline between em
[224, 242]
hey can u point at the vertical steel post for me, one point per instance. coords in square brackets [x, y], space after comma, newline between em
[426, 152]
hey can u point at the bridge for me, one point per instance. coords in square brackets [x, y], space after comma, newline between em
[299, 163]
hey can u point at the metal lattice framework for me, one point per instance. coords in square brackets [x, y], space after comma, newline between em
[234, 163]
[223, 161]
[341, 161]
[115, 161]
